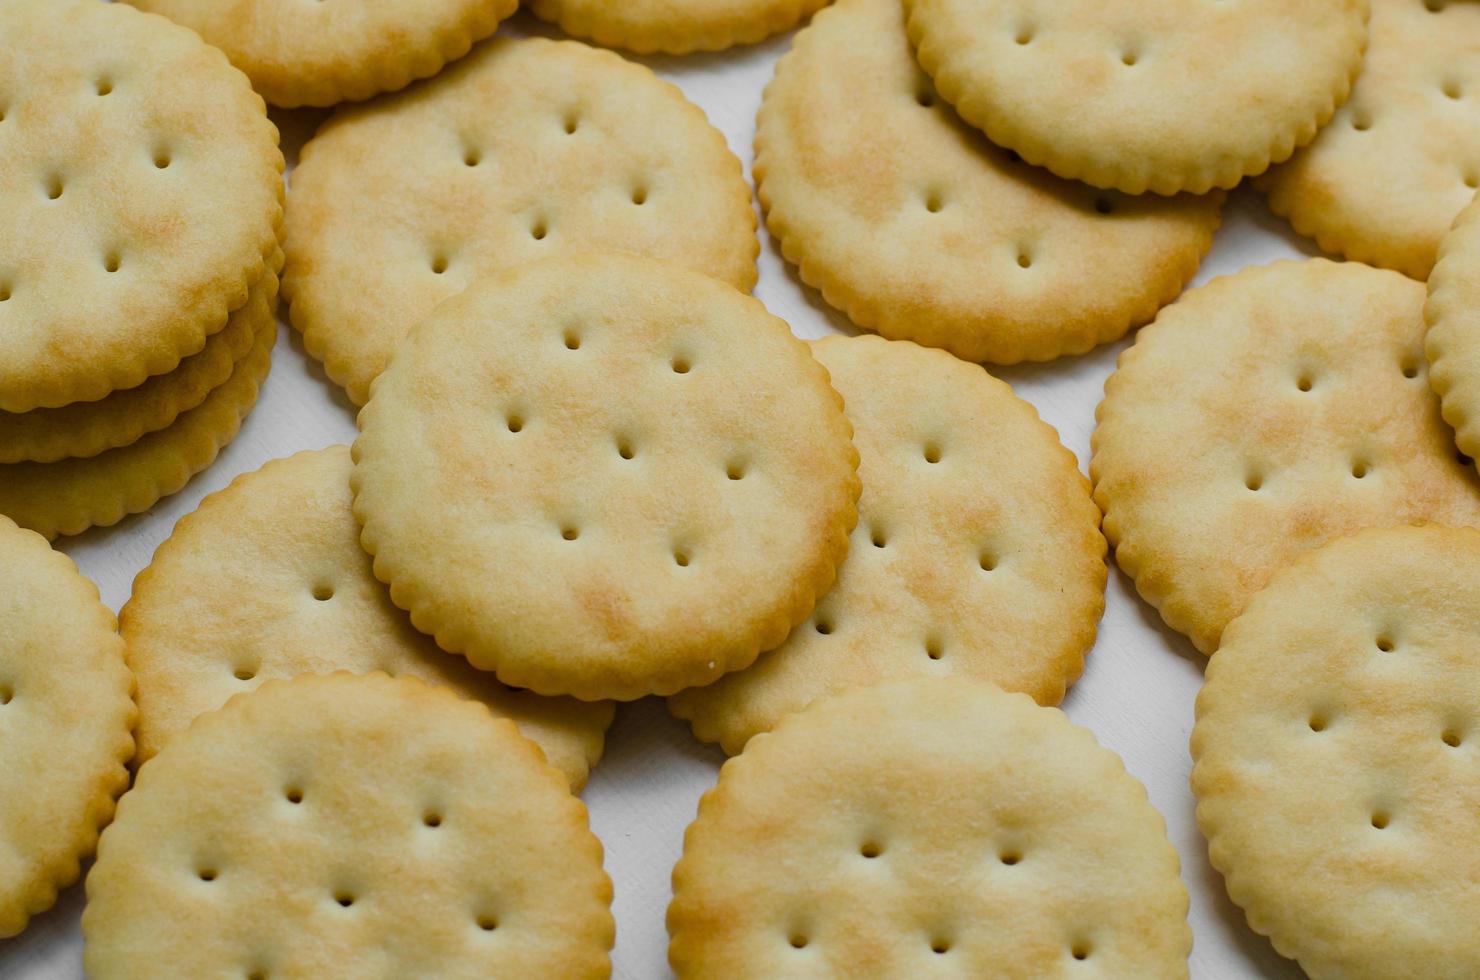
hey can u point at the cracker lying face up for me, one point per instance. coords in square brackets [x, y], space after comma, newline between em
[933, 828]
[1165, 97]
[1337, 735]
[66, 710]
[334, 825]
[1262, 415]
[1382, 183]
[140, 193]
[605, 476]
[524, 149]
[977, 554]
[239, 595]
[914, 225]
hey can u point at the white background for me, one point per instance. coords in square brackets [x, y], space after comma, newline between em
[1136, 694]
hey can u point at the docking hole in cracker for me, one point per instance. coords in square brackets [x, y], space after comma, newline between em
[1165, 97]
[1337, 734]
[660, 26]
[977, 552]
[1383, 182]
[524, 149]
[238, 596]
[943, 238]
[316, 54]
[141, 194]
[933, 827]
[66, 711]
[1262, 415]
[340, 825]
[606, 476]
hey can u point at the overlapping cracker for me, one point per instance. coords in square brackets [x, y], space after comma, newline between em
[1165, 97]
[317, 53]
[1335, 752]
[1260, 416]
[66, 710]
[653, 26]
[525, 148]
[71, 495]
[942, 238]
[84, 429]
[977, 553]
[1383, 182]
[606, 476]
[337, 823]
[238, 596]
[1453, 340]
[141, 199]
[932, 827]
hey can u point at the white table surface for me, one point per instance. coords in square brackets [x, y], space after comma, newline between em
[1136, 694]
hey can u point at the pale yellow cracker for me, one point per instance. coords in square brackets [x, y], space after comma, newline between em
[1183, 95]
[1382, 183]
[71, 495]
[606, 476]
[1336, 750]
[927, 828]
[65, 716]
[267, 580]
[1453, 341]
[525, 148]
[1262, 415]
[342, 826]
[942, 238]
[977, 553]
[83, 429]
[140, 192]
[675, 26]
[311, 52]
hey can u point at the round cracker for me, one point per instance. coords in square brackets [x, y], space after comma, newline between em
[675, 26]
[1453, 340]
[334, 820]
[977, 553]
[85, 429]
[943, 238]
[1335, 749]
[1382, 183]
[525, 148]
[1262, 415]
[66, 709]
[238, 596]
[606, 476]
[927, 828]
[72, 495]
[141, 195]
[1169, 97]
[317, 54]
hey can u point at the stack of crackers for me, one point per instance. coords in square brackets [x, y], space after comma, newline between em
[143, 201]
[340, 727]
